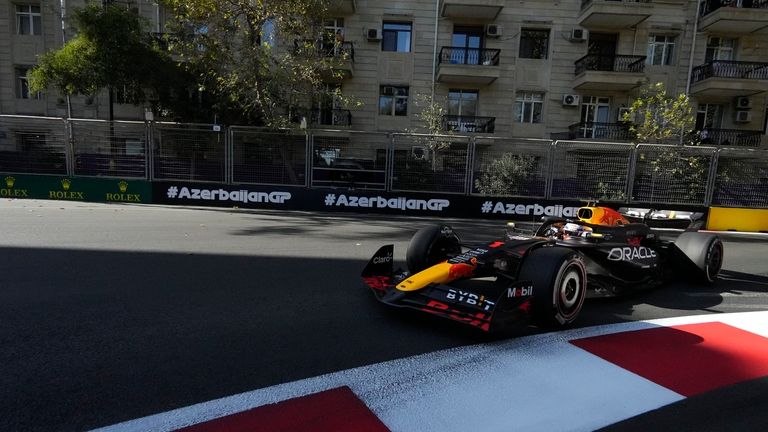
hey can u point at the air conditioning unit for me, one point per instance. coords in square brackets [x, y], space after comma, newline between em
[743, 116]
[743, 102]
[388, 91]
[373, 34]
[571, 100]
[493, 30]
[621, 113]
[578, 35]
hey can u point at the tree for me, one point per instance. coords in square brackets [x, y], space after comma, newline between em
[660, 118]
[431, 133]
[507, 175]
[656, 117]
[269, 59]
[112, 50]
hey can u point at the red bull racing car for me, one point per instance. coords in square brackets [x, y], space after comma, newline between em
[543, 276]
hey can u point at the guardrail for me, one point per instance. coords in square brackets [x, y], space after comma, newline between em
[610, 63]
[730, 69]
[469, 56]
[709, 6]
[394, 162]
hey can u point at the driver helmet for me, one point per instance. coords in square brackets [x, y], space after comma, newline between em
[576, 230]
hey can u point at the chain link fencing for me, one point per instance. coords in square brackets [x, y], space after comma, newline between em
[33, 145]
[113, 149]
[268, 157]
[355, 160]
[471, 165]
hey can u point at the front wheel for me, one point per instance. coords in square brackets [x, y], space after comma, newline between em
[431, 245]
[559, 279]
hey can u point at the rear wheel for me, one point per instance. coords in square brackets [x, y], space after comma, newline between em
[559, 280]
[431, 245]
[705, 251]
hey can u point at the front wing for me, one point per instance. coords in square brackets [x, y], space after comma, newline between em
[483, 309]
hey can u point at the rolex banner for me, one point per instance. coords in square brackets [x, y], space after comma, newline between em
[75, 188]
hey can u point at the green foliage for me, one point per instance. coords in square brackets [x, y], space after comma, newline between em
[430, 133]
[656, 117]
[506, 175]
[268, 59]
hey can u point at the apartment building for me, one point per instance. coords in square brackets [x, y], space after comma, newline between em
[565, 69]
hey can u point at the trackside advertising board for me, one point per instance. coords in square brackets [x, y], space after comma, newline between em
[359, 201]
[71, 188]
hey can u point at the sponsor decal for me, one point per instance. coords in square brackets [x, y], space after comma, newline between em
[382, 259]
[520, 291]
[470, 299]
[242, 196]
[469, 256]
[122, 195]
[527, 209]
[634, 253]
[66, 194]
[457, 271]
[480, 320]
[10, 192]
[399, 203]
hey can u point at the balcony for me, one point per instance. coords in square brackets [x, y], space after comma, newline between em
[331, 117]
[723, 78]
[340, 54]
[455, 123]
[731, 137]
[600, 131]
[468, 65]
[733, 16]
[609, 72]
[614, 14]
[342, 7]
[483, 10]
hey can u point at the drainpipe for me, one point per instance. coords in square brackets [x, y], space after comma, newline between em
[693, 47]
[434, 52]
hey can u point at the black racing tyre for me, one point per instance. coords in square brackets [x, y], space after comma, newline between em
[559, 279]
[431, 245]
[705, 251]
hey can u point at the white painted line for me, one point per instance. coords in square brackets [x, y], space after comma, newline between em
[540, 382]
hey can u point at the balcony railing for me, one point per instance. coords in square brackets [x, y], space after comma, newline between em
[469, 56]
[331, 117]
[469, 124]
[610, 63]
[585, 3]
[730, 137]
[598, 130]
[709, 6]
[333, 49]
[730, 69]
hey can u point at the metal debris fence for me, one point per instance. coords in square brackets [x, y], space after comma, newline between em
[396, 162]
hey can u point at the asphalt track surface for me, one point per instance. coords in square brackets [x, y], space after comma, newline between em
[114, 312]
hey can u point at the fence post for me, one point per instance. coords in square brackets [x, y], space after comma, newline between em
[149, 150]
[228, 155]
[309, 151]
[390, 162]
[631, 173]
[471, 147]
[69, 148]
[711, 178]
[550, 171]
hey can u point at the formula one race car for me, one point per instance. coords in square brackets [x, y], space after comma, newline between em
[544, 275]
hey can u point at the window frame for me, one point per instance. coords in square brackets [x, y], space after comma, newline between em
[530, 47]
[34, 19]
[667, 47]
[397, 95]
[535, 112]
[397, 32]
[22, 84]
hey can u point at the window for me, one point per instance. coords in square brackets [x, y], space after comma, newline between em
[462, 103]
[22, 85]
[720, 49]
[393, 101]
[528, 107]
[396, 37]
[660, 48]
[28, 19]
[534, 44]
